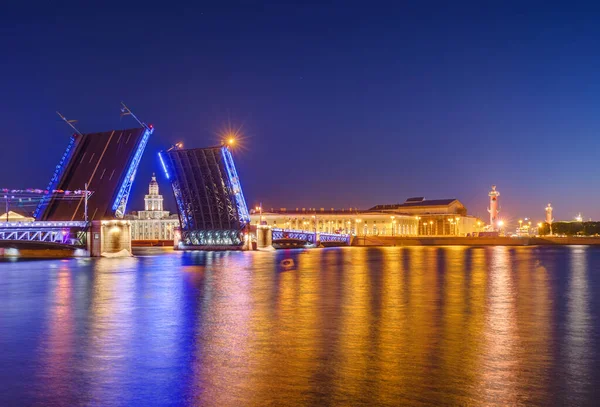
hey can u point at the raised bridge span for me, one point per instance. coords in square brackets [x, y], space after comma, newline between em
[102, 162]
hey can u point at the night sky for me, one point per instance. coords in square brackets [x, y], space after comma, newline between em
[341, 104]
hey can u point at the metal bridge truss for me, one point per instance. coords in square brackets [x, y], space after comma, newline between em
[120, 203]
[309, 236]
[332, 237]
[212, 209]
[58, 171]
[62, 233]
[212, 238]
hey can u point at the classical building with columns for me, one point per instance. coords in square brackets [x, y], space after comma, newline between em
[153, 223]
[415, 217]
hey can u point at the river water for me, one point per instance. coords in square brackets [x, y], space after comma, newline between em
[331, 327]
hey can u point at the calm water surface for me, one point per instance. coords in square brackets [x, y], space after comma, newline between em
[334, 327]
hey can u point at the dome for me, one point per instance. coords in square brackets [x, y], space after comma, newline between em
[153, 187]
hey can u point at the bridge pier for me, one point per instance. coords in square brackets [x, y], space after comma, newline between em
[264, 237]
[109, 238]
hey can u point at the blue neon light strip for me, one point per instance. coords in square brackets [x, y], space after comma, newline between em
[163, 164]
[123, 196]
[184, 218]
[55, 177]
[234, 181]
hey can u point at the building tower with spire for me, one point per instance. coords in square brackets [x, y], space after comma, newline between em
[494, 208]
[153, 201]
[153, 223]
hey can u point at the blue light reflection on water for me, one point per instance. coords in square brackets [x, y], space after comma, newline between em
[360, 326]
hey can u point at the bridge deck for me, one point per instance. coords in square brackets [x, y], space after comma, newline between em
[210, 203]
[103, 161]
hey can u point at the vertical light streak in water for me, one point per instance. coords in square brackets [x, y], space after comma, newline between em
[328, 311]
[388, 381]
[355, 328]
[579, 326]
[499, 363]
[297, 326]
[220, 372]
[417, 342]
[110, 343]
[57, 350]
[534, 323]
[158, 327]
[474, 334]
[454, 345]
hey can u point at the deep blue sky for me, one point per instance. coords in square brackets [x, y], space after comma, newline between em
[342, 104]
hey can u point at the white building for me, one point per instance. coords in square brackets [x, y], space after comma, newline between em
[15, 217]
[153, 223]
[415, 217]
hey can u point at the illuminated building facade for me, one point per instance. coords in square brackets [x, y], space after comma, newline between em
[153, 223]
[12, 216]
[414, 217]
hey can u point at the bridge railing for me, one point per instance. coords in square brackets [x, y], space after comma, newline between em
[309, 236]
[42, 224]
[334, 237]
[63, 233]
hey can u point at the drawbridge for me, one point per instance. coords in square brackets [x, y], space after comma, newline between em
[103, 162]
[211, 206]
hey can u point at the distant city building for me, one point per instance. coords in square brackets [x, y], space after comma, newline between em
[15, 217]
[415, 217]
[153, 223]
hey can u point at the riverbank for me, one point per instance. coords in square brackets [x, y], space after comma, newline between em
[472, 241]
